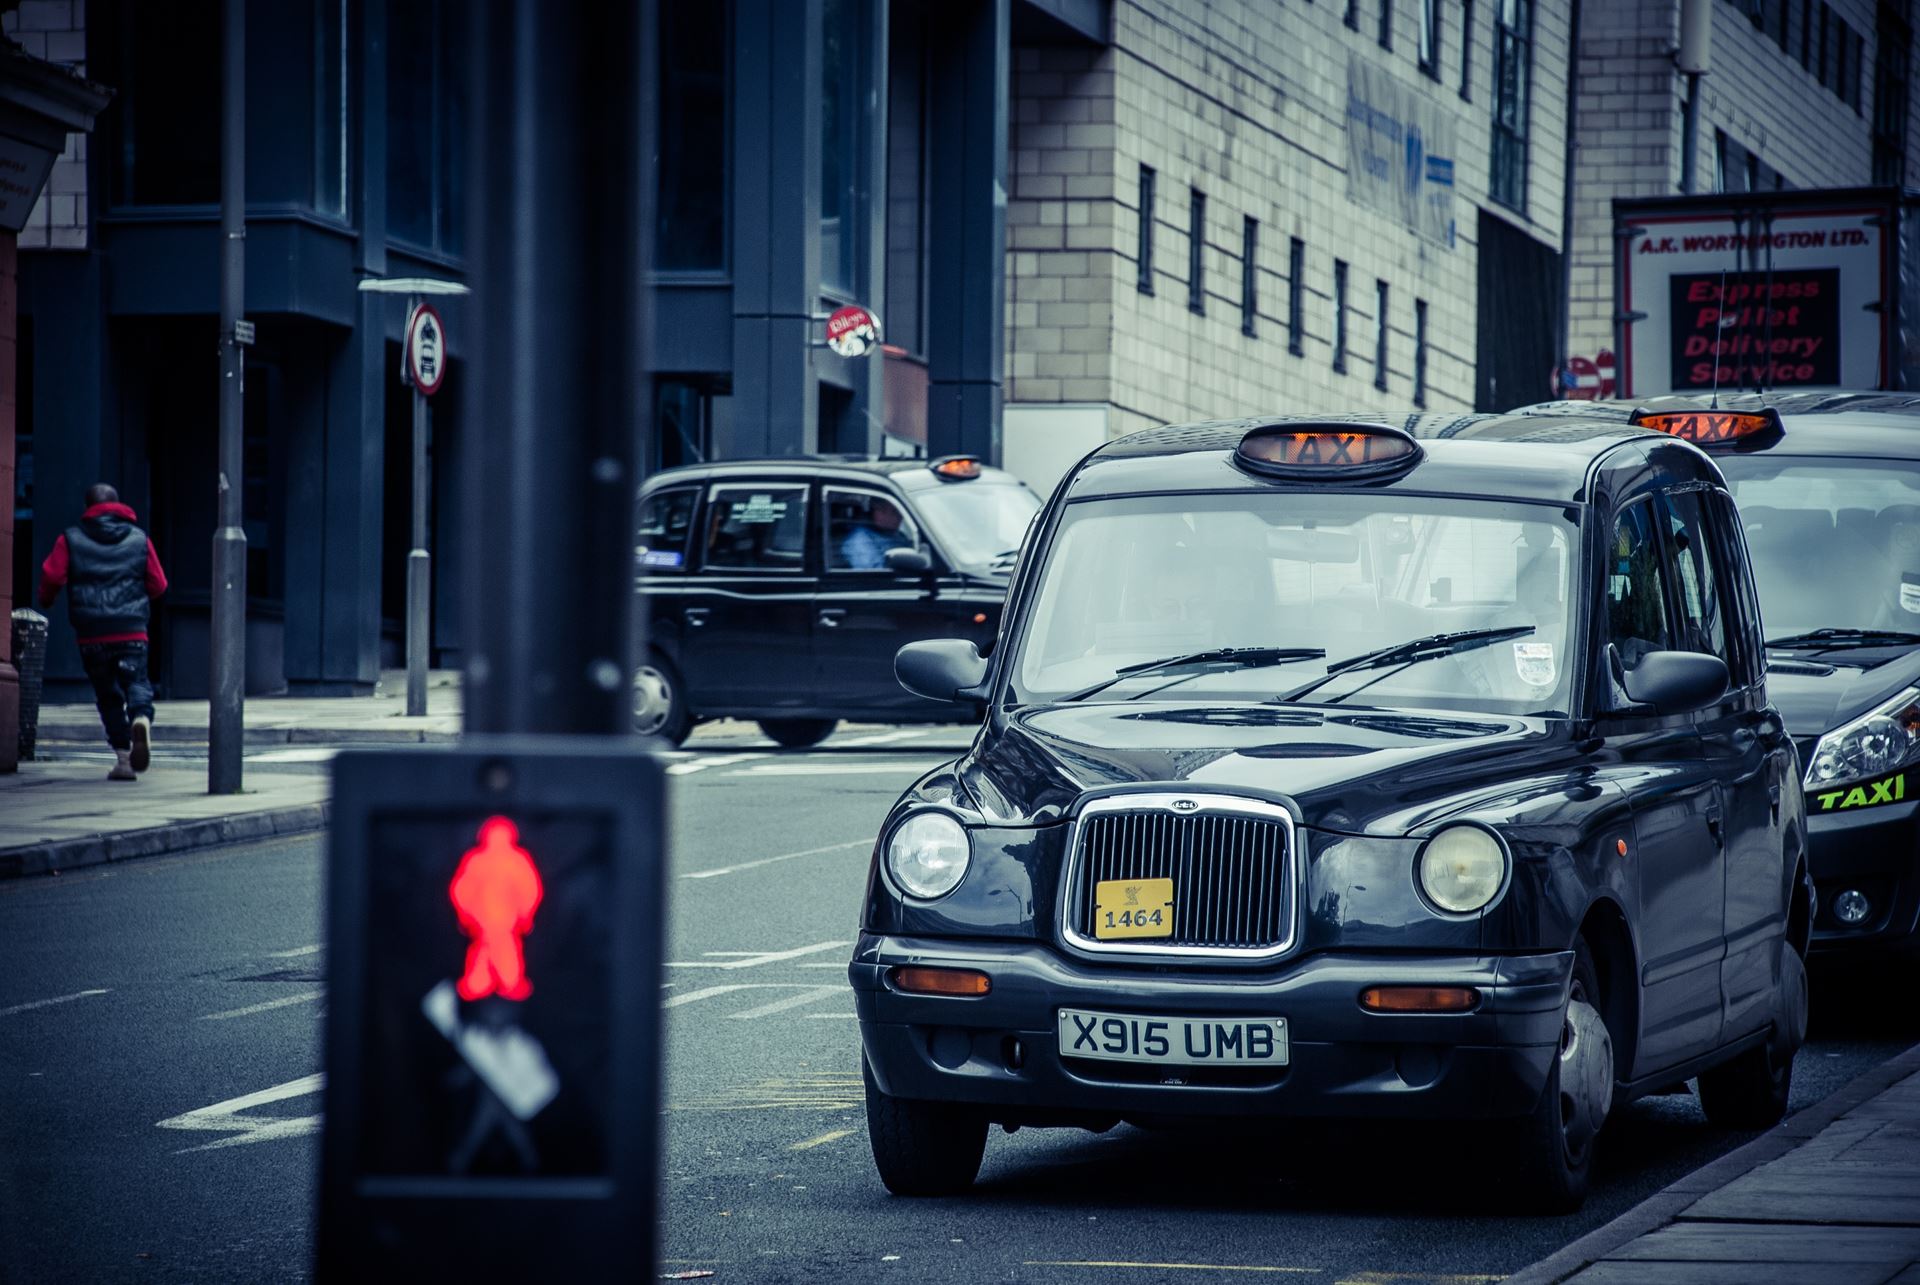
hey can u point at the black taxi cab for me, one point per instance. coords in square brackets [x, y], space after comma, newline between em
[1339, 768]
[779, 589]
[1828, 487]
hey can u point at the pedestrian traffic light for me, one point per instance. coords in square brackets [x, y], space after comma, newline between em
[494, 948]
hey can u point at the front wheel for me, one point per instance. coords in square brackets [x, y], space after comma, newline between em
[1752, 1090]
[660, 701]
[798, 733]
[1554, 1146]
[923, 1148]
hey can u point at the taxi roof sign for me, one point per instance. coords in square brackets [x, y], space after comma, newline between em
[1710, 427]
[1314, 452]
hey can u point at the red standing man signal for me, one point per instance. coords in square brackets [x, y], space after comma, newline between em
[496, 890]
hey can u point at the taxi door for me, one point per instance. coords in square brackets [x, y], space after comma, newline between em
[864, 611]
[746, 615]
[1676, 861]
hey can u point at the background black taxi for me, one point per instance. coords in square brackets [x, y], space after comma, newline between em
[779, 589]
[1828, 486]
[1330, 769]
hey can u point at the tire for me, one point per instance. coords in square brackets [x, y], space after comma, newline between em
[1751, 1091]
[923, 1148]
[660, 701]
[798, 733]
[1553, 1147]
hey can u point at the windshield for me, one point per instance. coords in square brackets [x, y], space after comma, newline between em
[1134, 581]
[1835, 542]
[976, 522]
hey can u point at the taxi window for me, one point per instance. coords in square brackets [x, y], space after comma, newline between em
[1703, 625]
[861, 527]
[1750, 646]
[666, 520]
[1636, 590]
[757, 528]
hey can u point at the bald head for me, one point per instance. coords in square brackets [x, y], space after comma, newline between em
[101, 493]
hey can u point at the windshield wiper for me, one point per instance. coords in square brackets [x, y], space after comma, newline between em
[1819, 639]
[1239, 657]
[1408, 652]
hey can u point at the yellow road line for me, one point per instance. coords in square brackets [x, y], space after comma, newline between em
[1173, 1267]
[820, 1141]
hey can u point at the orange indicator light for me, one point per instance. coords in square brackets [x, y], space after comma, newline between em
[495, 892]
[956, 468]
[1419, 999]
[942, 981]
[1314, 452]
[1620, 846]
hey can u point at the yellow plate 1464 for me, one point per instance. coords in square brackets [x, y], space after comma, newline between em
[1132, 908]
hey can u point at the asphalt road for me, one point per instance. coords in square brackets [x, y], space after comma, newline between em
[160, 1029]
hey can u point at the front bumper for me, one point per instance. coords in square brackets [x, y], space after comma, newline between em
[1002, 1050]
[1877, 851]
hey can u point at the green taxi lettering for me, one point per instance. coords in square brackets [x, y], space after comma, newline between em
[1891, 790]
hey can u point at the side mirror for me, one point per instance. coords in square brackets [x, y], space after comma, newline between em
[908, 562]
[1674, 682]
[950, 670]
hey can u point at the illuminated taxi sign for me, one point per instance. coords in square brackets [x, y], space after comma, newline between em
[956, 468]
[1710, 427]
[1326, 452]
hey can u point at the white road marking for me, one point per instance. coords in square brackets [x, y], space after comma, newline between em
[851, 1017]
[817, 768]
[285, 1001]
[712, 760]
[756, 958]
[306, 754]
[226, 1117]
[811, 995]
[883, 738]
[767, 861]
[48, 1003]
[295, 953]
[820, 1141]
[707, 992]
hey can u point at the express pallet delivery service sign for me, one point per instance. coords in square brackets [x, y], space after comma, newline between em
[1784, 299]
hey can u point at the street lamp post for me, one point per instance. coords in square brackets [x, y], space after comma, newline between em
[226, 711]
[419, 560]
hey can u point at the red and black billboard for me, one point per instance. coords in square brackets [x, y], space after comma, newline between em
[1755, 329]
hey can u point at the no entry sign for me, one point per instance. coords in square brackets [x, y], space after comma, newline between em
[426, 349]
[852, 331]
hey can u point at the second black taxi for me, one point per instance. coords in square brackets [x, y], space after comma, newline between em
[1346, 768]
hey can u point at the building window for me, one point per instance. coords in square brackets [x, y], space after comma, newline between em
[690, 211]
[1420, 353]
[1249, 274]
[1340, 316]
[164, 64]
[1430, 37]
[907, 176]
[1782, 20]
[1296, 296]
[1380, 336]
[426, 112]
[1512, 74]
[1892, 75]
[330, 64]
[1466, 50]
[1145, 251]
[1197, 251]
[1353, 14]
[1820, 72]
[846, 27]
[1386, 24]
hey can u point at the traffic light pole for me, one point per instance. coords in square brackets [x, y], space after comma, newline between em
[226, 714]
[419, 561]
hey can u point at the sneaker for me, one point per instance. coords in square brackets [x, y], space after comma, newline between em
[142, 743]
[122, 770]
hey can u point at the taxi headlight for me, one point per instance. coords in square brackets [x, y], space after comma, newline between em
[1462, 868]
[1880, 741]
[927, 855]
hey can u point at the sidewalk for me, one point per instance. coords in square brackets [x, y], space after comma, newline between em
[1829, 1195]
[288, 720]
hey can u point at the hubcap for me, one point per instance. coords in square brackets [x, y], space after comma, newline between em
[1790, 1012]
[652, 700]
[1586, 1075]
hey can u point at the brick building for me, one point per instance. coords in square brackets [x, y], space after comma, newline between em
[1801, 94]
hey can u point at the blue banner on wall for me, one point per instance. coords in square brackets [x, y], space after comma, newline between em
[1399, 153]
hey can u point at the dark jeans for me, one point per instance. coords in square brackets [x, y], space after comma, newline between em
[118, 672]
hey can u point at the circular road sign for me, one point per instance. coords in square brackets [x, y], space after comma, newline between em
[852, 331]
[426, 348]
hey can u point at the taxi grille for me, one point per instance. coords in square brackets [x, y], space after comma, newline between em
[1232, 887]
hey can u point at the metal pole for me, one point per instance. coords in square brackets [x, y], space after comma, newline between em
[226, 730]
[1690, 134]
[557, 174]
[419, 561]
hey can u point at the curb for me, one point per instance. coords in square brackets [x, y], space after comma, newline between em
[195, 737]
[160, 840]
[1661, 1208]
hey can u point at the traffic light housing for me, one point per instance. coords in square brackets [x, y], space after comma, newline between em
[493, 1023]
